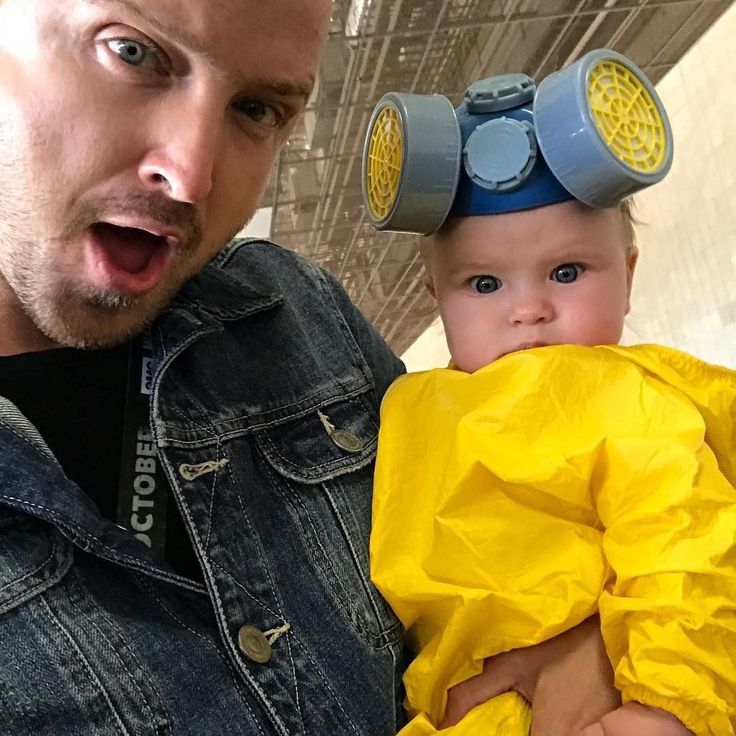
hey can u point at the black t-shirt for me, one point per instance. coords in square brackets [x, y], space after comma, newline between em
[76, 399]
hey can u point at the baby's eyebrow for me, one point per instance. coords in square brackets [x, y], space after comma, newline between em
[471, 267]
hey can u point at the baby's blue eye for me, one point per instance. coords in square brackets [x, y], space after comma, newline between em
[485, 284]
[567, 273]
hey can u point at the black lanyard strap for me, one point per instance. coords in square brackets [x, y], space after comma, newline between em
[143, 491]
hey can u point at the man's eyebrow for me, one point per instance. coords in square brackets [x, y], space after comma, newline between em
[277, 87]
[154, 20]
[283, 89]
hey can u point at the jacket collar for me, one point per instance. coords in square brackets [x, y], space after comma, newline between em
[219, 293]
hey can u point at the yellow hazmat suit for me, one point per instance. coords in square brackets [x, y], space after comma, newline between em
[512, 503]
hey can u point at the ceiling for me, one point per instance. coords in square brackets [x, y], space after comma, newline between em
[429, 46]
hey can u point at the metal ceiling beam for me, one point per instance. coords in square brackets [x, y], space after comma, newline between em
[420, 67]
[680, 29]
[523, 18]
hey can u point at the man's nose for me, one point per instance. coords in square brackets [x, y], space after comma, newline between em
[532, 307]
[180, 163]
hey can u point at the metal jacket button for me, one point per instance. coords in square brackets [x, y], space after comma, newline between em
[346, 441]
[254, 644]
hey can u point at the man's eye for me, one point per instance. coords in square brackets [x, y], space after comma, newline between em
[135, 53]
[485, 284]
[259, 112]
[567, 273]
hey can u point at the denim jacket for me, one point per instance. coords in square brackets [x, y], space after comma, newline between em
[259, 361]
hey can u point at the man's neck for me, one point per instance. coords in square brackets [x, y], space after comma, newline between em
[17, 343]
[18, 333]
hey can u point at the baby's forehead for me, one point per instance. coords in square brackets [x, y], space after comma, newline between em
[547, 232]
[566, 219]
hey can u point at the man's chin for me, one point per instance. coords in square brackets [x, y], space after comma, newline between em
[99, 321]
[83, 336]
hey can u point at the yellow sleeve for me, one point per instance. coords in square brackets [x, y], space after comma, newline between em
[512, 502]
[668, 614]
[472, 544]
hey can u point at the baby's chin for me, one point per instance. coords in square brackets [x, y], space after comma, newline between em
[471, 365]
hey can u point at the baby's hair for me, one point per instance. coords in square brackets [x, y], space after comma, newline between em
[630, 221]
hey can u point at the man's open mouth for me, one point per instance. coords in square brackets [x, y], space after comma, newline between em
[129, 249]
[127, 260]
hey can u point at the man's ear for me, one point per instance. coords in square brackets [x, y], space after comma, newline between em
[428, 282]
[632, 256]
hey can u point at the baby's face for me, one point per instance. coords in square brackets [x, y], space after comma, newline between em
[553, 275]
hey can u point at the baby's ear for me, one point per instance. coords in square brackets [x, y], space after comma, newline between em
[632, 256]
[428, 282]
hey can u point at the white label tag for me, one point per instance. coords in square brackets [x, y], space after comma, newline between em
[146, 375]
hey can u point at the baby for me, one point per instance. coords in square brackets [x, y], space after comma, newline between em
[550, 474]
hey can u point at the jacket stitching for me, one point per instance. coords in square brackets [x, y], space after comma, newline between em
[221, 619]
[346, 460]
[13, 583]
[93, 675]
[328, 686]
[132, 654]
[212, 645]
[332, 578]
[363, 573]
[41, 585]
[246, 592]
[254, 536]
[150, 712]
[26, 440]
[92, 540]
[213, 486]
[314, 403]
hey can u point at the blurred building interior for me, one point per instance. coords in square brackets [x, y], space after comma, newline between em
[313, 204]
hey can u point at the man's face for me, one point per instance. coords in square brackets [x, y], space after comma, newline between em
[136, 138]
[554, 275]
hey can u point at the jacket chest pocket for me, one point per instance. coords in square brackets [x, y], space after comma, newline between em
[32, 559]
[323, 460]
[65, 667]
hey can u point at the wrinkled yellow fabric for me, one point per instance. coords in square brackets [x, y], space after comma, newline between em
[512, 503]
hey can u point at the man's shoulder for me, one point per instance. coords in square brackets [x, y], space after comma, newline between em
[309, 311]
[251, 275]
[265, 264]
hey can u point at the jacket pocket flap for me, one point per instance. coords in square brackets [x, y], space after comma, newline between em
[323, 443]
[33, 557]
